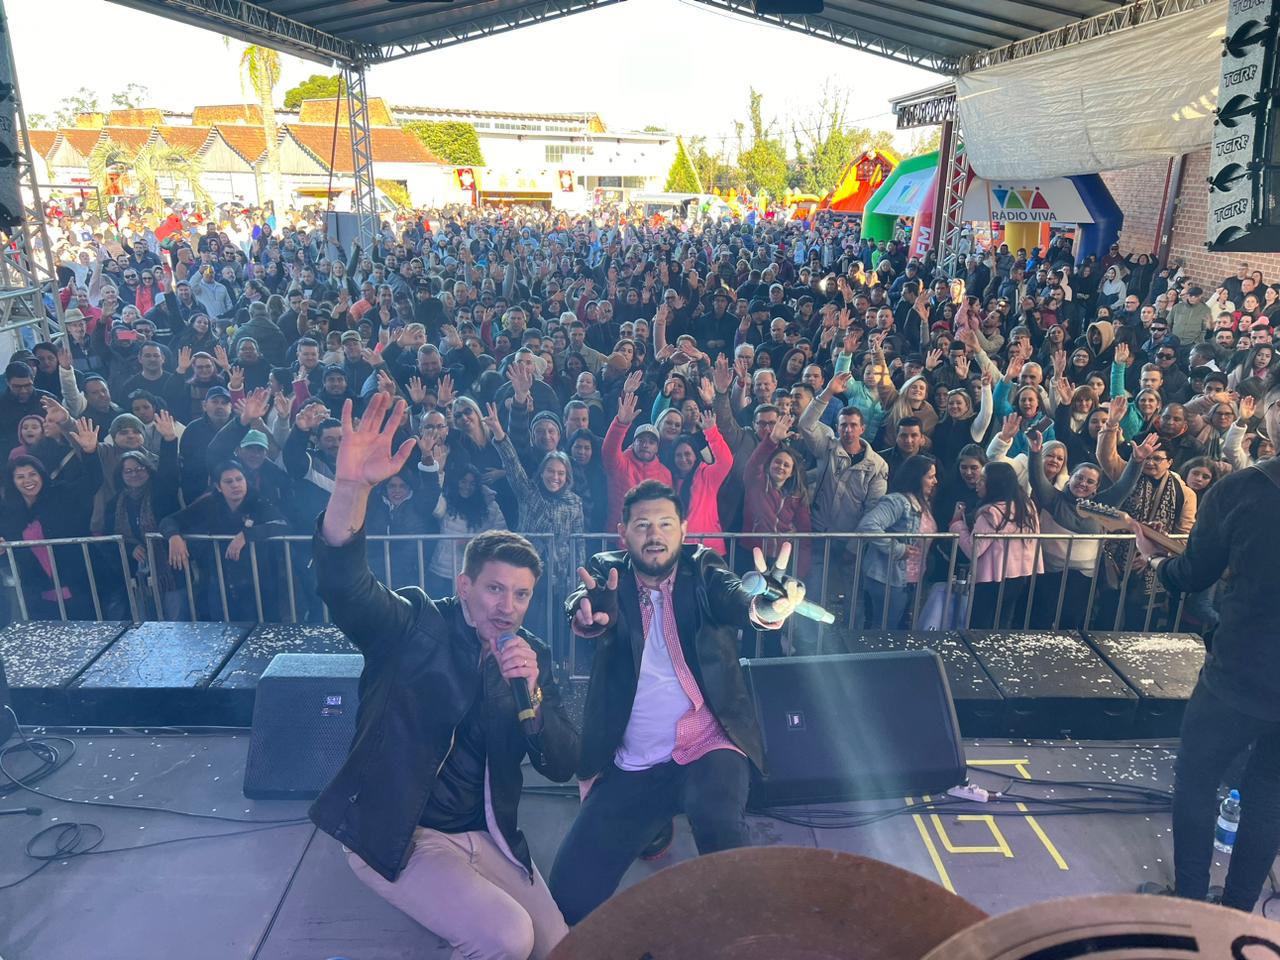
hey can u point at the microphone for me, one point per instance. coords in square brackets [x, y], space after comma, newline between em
[758, 585]
[18, 811]
[525, 712]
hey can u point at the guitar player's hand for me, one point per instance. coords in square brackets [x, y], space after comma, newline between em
[1146, 546]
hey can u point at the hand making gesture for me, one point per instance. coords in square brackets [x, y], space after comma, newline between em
[598, 610]
[775, 611]
[365, 457]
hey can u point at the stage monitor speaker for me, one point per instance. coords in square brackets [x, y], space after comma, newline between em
[1244, 160]
[8, 726]
[342, 228]
[861, 726]
[304, 718]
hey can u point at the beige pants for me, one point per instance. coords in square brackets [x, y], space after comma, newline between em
[462, 888]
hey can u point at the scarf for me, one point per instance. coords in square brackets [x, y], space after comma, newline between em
[135, 536]
[1155, 503]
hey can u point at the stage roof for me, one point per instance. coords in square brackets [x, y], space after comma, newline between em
[938, 35]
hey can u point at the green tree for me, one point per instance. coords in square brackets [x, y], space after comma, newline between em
[133, 96]
[763, 163]
[683, 178]
[713, 169]
[825, 142]
[922, 142]
[318, 86]
[37, 121]
[261, 66]
[451, 140]
[83, 100]
[396, 192]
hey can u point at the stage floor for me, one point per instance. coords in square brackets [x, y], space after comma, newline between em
[285, 893]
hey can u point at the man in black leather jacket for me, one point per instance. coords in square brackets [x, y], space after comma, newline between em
[668, 724]
[425, 804]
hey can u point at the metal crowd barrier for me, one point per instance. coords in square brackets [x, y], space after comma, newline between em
[836, 578]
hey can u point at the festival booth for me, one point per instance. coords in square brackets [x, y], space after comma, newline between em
[1021, 212]
[858, 181]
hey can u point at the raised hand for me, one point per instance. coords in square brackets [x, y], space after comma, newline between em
[310, 417]
[1035, 440]
[1248, 407]
[1009, 428]
[521, 381]
[85, 436]
[598, 610]
[1142, 451]
[494, 423]
[254, 406]
[782, 428]
[54, 412]
[282, 402]
[64, 356]
[235, 380]
[220, 357]
[365, 457]
[1117, 408]
[1122, 354]
[626, 408]
[722, 375]
[184, 359]
[633, 381]
[838, 384]
[773, 611]
[445, 391]
[707, 420]
[707, 392]
[961, 365]
[932, 359]
[166, 426]
[387, 383]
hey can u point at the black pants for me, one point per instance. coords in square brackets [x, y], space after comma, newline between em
[1012, 606]
[1213, 734]
[625, 809]
[1075, 600]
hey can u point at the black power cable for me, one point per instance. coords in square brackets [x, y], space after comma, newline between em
[72, 839]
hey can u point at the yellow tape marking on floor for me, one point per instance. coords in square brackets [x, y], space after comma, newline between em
[1039, 832]
[1001, 845]
[943, 877]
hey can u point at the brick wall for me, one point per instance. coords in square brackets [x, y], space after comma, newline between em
[1139, 192]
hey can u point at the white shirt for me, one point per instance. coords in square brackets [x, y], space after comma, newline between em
[659, 704]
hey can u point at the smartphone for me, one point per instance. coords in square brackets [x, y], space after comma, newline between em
[127, 336]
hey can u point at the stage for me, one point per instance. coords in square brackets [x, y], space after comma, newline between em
[285, 892]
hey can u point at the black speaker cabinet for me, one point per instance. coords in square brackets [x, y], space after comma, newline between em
[304, 719]
[8, 727]
[854, 727]
[1161, 668]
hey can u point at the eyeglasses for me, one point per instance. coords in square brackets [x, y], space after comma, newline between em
[1167, 356]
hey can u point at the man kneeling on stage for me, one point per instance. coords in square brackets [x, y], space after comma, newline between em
[425, 804]
[668, 724]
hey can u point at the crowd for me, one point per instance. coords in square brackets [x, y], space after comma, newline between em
[783, 377]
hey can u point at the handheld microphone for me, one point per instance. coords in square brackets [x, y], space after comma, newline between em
[758, 585]
[19, 811]
[525, 712]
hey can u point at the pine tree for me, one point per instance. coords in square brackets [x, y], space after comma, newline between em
[682, 178]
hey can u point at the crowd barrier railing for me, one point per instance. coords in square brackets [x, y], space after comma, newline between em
[1087, 582]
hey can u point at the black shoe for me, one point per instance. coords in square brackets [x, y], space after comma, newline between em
[1153, 889]
[660, 844]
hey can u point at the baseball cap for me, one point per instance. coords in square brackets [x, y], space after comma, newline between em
[720, 294]
[351, 335]
[645, 428]
[758, 305]
[222, 392]
[254, 438]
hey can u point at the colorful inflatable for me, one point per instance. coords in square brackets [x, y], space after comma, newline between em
[860, 178]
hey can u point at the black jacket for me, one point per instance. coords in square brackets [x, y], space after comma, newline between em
[1234, 539]
[422, 671]
[711, 607]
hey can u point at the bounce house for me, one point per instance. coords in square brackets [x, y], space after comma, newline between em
[860, 178]
[1022, 212]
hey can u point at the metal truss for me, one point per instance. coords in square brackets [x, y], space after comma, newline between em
[1122, 18]
[27, 267]
[955, 173]
[824, 28]
[366, 201]
[926, 112]
[254, 24]
[488, 25]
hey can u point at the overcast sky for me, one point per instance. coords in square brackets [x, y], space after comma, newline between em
[673, 63]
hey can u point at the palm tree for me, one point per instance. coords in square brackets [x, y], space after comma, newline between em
[177, 165]
[261, 65]
[142, 172]
[109, 166]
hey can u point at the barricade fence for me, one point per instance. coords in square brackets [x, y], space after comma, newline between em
[872, 581]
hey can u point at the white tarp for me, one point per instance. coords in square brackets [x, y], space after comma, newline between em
[1128, 98]
[1055, 200]
[903, 199]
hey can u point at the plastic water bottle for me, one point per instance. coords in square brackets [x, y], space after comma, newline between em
[1224, 836]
